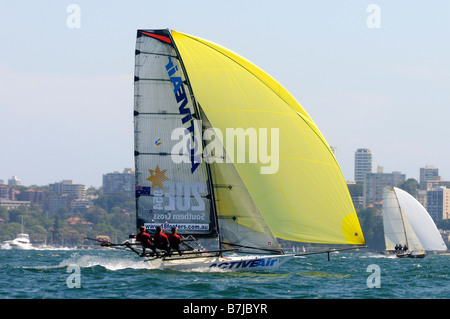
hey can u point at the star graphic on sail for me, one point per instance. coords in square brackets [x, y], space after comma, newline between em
[157, 177]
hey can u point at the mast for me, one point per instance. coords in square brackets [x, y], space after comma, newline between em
[198, 117]
[402, 216]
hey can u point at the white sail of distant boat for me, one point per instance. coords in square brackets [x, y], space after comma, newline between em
[409, 230]
[187, 88]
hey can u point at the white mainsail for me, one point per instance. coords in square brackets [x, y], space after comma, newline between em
[420, 221]
[406, 222]
[174, 186]
[394, 231]
[167, 193]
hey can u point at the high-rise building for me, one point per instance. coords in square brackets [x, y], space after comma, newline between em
[429, 177]
[33, 195]
[69, 189]
[14, 181]
[363, 163]
[438, 200]
[119, 182]
[375, 182]
[7, 193]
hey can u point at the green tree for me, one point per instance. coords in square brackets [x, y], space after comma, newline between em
[95, 214]
[410, 186]
[111, 215]
[16, 214]
[9, 231]
[107, 202]
[4, 214]
[38, 233]
[372, 226]
[356, 189]
[444, 224]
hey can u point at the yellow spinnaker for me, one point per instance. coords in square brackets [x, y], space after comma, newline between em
[307, 199]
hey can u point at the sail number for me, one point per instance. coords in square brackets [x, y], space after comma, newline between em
[179, 197]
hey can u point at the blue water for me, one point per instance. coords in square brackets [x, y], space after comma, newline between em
[106, 274]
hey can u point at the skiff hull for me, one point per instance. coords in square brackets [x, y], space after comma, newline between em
[410, 255]
[214, 263]
[407, 254]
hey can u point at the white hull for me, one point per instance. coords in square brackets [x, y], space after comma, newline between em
[21, 242]
[404, 254]
[411, 254]
[20, 246]
[214, 263]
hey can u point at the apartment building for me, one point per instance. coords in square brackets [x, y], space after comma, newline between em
[363, 163]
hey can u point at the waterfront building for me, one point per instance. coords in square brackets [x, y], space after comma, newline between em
[80, 205]
[363, 163]
[375, 182]
[438, 200]
[429, 177]
[7, 193]
[69, 189]
[14, 181]
[12, 204]
[119, 182]
[56, 203]
[33, 195]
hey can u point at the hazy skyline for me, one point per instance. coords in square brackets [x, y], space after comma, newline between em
[66, 86]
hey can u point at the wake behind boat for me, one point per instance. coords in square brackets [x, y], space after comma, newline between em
[204, 119]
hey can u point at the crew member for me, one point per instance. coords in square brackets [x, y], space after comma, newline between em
[175, 240]
[161, 241]
[145, 239]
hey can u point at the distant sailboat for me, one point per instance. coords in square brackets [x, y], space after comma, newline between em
[409, 230]
[187, 91]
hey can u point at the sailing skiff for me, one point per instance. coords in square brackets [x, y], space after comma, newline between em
[227, 156]
[409, 231]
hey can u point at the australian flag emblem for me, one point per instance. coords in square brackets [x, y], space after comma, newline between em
[142, 190]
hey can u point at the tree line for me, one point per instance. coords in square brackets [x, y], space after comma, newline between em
[111, 215]
[114, 215]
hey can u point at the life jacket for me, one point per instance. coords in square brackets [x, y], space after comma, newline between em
[161, 239]
[174, 240]
[144, 238]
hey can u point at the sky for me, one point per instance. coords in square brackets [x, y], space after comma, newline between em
[371, 74]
